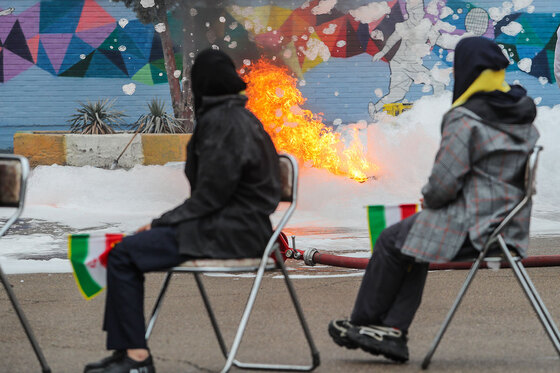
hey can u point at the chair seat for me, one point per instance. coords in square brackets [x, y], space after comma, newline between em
[223, 265]
[495, 254]
[289, 179]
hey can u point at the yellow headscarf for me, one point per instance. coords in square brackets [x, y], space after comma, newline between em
[488, 81]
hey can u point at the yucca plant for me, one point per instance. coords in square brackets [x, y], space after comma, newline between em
[96, 118]
[158, 120]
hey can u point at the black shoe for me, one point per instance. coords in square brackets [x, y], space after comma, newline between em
[338, 330]
[380, 340]
[128, 365]
[99, 365]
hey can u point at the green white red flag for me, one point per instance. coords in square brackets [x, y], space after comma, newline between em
[88, 256]
[383, 216]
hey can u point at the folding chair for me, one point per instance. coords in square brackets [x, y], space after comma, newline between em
[14, 170]
[289, 173]
[496, 239]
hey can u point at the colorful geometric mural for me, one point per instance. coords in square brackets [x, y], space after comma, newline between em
[350, 57]
[78, 39]
[81, 39]
[536, 42]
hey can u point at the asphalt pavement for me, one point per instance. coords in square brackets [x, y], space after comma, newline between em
[495, 330]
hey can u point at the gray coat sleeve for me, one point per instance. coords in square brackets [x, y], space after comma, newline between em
[451, 164]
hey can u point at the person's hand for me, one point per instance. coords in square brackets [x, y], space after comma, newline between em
[144, 228]
[378, 56]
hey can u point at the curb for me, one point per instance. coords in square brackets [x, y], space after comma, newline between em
[62, 148]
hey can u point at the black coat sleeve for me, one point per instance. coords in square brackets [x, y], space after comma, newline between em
[220, 152]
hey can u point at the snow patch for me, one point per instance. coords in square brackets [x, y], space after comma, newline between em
[147, 3]
[371, 12]
[512, 28]
[317, 48]
[330, 29]
[160, 27]
[129, 88]
[525, 65]
[324, 7]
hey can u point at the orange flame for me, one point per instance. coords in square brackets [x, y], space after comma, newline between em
[276, 101]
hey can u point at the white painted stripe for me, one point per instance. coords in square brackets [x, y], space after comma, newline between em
[392, 215]
[96, 247]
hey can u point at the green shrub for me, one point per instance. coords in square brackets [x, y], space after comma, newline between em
[158, 121]
[96, 118]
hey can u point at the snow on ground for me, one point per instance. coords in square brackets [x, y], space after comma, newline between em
[331, 212]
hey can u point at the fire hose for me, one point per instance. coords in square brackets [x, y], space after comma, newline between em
[312, 257]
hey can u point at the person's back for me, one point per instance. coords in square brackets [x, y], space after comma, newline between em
[232, 166]
[250, 181]
[477, 177]
[504, 135]
[234, 172]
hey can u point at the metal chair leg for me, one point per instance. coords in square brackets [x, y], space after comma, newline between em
[244, 319]
[297, 306]
[210, 311]
[314, 351]
[452, 311]
[25, 323]
[157, 305]
[533, 297]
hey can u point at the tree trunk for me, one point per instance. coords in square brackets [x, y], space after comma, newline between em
[170, 66]
[188, 47]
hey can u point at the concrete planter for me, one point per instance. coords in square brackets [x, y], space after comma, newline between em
[47, 148]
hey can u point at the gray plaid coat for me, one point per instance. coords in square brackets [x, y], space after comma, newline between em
[477, 178]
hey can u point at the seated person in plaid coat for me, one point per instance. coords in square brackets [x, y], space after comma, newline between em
[477, 178]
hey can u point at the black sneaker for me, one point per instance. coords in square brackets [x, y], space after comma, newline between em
[99, 365]
[128, 365]
[380, 340]
[338, 330]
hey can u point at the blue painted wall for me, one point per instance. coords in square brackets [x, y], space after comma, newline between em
[36, 95]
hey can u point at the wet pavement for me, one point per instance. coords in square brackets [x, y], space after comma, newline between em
[495, 329]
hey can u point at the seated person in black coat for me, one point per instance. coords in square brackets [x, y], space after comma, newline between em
[234, 174]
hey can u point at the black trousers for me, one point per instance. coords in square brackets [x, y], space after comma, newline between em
[148, 251]
[392, 287]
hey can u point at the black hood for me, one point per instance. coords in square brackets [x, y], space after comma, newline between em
[214, 74]
[472, 57]
[513, 107]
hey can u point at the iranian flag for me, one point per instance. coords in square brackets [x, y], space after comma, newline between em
[382, 216]
[88, 256]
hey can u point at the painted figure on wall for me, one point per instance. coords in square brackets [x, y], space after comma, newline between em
[417, 35]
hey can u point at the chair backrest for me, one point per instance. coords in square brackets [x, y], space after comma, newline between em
[14, 170]
[289, 176]
[530, 190]
[531, 172]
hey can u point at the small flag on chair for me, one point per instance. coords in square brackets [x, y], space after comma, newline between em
[382, 216]
[88, 256]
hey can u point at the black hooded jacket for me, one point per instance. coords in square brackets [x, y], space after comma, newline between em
[232, 167]
[513, 107]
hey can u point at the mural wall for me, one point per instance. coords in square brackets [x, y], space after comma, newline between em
[351, 57]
